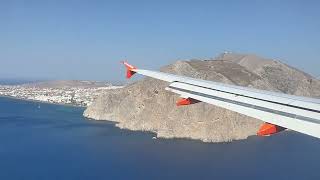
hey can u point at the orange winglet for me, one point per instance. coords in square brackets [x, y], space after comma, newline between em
[267, 129]
[130, 69]
[186, 101]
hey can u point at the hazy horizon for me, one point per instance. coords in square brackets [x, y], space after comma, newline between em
[85, 40]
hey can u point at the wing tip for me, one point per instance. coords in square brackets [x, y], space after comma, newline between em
[130, 69]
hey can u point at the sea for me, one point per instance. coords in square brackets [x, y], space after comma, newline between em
[46, 141]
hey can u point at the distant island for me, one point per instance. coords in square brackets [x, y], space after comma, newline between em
[147, 106]
[67, 92]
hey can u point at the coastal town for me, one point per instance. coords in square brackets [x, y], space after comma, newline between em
[77, 96]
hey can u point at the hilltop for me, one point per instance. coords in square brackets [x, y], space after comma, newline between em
[146, 106]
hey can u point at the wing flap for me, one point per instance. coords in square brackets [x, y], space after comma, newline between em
[311, 127]
[245, 100]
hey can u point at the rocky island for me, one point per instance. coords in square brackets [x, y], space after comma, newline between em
[146, 106]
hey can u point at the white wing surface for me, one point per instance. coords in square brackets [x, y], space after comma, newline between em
[297, 113]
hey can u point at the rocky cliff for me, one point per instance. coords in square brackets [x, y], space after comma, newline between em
[146, 106]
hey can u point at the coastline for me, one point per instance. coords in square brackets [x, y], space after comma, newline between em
[42, 102]
[55, 93]
[116, 123]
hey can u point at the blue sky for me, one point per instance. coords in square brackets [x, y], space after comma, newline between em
[87, 39]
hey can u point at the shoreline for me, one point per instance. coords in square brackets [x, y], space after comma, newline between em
[43, 102]
[71, 96]
[115, 124]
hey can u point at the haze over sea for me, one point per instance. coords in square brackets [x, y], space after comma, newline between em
[45, 141]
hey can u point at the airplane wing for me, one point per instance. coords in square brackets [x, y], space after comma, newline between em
[279, 111]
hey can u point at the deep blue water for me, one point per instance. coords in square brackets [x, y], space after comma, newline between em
[56, 142]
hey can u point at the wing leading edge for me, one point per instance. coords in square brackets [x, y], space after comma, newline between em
[300, 114]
